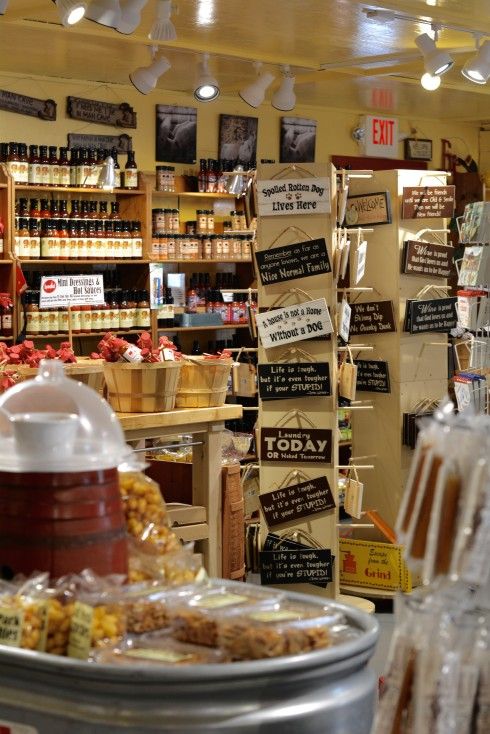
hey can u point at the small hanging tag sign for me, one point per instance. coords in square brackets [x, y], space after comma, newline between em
[294, 196]
[294, 323]
[288, 562]
[353, 498]
[372, 375]
[344, 320]
[360, 262]
[374, 317]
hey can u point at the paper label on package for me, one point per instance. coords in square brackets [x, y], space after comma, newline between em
[275, 615]
[294, 323]
[80, 639]
[216, 601]
[11, 621]
[294, 196]
[344, 319]
[162, 656]
[168, 355]
[71, 290]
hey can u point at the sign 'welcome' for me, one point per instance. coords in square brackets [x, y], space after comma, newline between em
[294, 196]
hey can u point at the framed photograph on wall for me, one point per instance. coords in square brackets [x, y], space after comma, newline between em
[417, 149]
[176, 129]
[238, 139]
[368, 209]
[298, 140]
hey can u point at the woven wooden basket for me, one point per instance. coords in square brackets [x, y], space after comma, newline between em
[142, 388]
[88, 371]
[203, 382]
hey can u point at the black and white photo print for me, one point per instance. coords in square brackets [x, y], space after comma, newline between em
[298, 138]
[176, 129]
[238, 139]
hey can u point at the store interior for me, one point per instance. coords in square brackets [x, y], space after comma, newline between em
[258, 231]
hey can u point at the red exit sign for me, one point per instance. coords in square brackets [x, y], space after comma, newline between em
[381, 138]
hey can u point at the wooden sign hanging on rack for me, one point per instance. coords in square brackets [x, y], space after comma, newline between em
[427, 258]
[294, 323]
[295, 501]
[372, 376]
[300, 260]
[437, 315]
[284, 561]
[428, 202]
[296, 445]
[278, 381]
[375, 317]
[293, 196]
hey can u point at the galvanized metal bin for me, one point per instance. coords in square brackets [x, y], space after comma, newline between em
[331, 691]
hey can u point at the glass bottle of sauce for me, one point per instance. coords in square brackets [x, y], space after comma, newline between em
[13, 161]
[93, 176]
[143, 314]
[32, 313]
[64, 168]
[34, 210]
[115, 210]
[125, 319]
[202, 180]
[136, 240]
[44, 212]
[75, 316]
[34, 175]
[100, 241]
[133, 308]
[117, 169]
[86, 319]
[72, 239]
[34, 239]
[74, 154]
[64, 252]
[54, 168]
[44, 163]
[117, 239]
[131, 172]
[23, 249]
[109, 239]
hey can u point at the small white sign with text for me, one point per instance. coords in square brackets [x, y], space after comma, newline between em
[293, 196]
[294, 323]
[71, 290]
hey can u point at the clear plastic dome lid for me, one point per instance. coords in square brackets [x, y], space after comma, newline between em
[54, 423]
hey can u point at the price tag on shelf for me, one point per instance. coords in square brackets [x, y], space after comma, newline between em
[71, 290]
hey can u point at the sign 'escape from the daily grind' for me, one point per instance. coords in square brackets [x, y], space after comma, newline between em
[301, 260]
[294, 196]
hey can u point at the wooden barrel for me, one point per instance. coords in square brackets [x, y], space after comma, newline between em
[62, 522]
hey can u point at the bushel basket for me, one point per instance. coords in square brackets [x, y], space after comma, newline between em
[150, 387]
[203, 382]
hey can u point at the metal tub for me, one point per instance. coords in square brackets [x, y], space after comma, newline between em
[330, 691]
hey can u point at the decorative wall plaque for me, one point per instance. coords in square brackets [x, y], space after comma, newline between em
[294, 323]
[372, 376]
[298, 196]
[44, 109]
[427, 258]
[368, 209]
[438, 314]
[122, 143]
[102, 113]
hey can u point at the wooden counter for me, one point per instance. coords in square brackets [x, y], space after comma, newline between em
[206, 424]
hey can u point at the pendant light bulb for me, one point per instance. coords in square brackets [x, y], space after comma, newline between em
[130, 17]
[436, 61]
[477, 69]
[285, 99]
[71, 11]
[107, 175]
[206, 88]
[163, 29]
[105, 12]
[429, 82]
[145, 77]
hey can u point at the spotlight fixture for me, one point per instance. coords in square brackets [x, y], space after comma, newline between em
[105, 12]
[145, 77]
[285, 99]
[70, 11]
[163, 29]
[436, 60]
[107, 175]
[207, 88]
[429, 82]
[478, 69]
[254, 94]
[130, 17]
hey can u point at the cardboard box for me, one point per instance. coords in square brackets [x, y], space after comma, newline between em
[374, 565]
